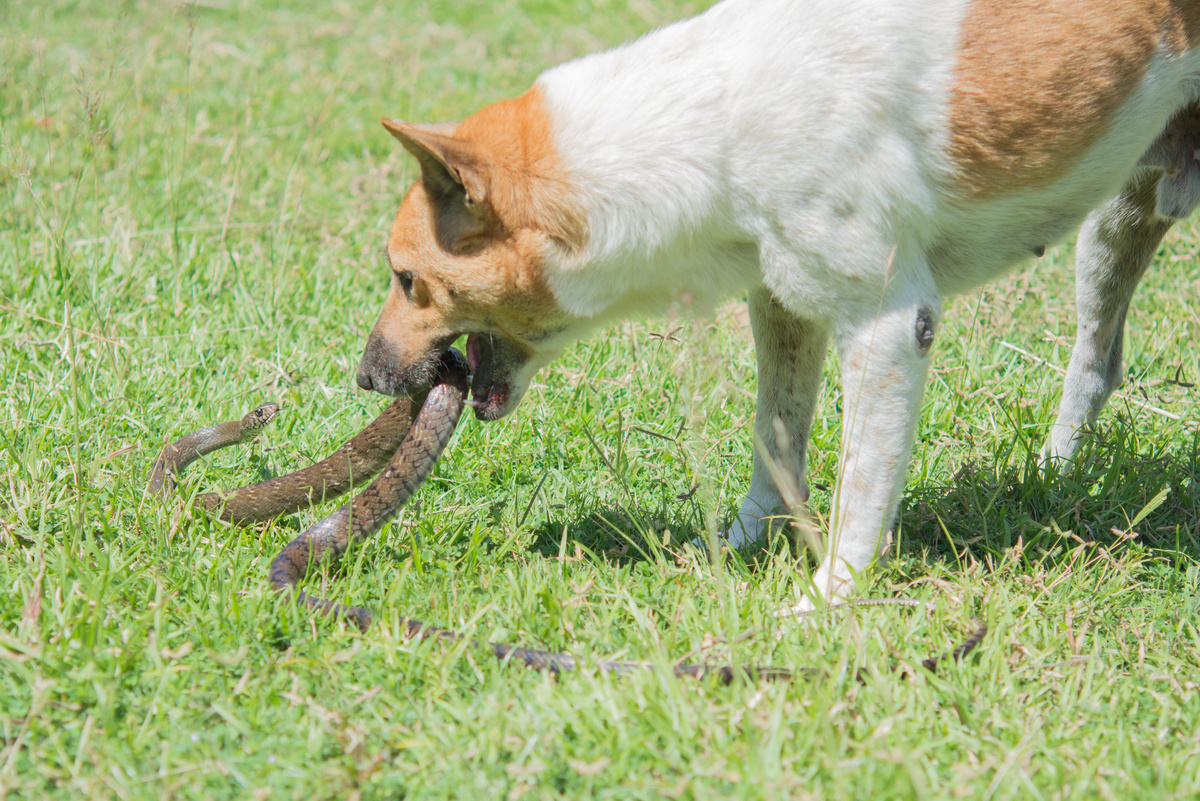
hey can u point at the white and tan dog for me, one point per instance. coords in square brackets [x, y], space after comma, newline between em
[848, 163]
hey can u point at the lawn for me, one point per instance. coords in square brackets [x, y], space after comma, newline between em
[193, 203]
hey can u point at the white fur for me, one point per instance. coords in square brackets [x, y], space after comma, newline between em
[797, 151]
[729, 147]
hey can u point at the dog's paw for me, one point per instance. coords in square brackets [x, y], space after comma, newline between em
[804, 608]
[745, 530]
[828, 586]
[751, 527]
[723, 539]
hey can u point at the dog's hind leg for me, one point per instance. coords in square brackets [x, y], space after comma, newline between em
[790, 352]
[884, 363]
[1116, 244]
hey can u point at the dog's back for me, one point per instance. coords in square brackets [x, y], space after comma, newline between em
[986, 130]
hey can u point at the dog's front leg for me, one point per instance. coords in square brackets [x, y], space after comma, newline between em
[790, 352]
[884, 362]
[1116, 244]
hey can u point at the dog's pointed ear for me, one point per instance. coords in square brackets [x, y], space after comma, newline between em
[451, 169]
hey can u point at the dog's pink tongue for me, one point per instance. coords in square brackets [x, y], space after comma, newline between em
[474, 352]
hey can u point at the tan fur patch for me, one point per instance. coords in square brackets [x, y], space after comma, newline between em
[1037, 81]
[528, 187]
[493, 279]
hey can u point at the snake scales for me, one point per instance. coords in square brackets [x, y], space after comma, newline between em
[404, 442]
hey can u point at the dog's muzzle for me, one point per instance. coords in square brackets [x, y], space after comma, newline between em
[495, 362]
[380, 369]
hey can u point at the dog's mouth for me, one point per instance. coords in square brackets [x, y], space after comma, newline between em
[495, 362]
[500, 371]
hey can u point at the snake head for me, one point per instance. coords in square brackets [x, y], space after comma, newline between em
[259, 417]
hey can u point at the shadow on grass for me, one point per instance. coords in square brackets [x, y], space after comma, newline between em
[1120, 485]
[617, 535]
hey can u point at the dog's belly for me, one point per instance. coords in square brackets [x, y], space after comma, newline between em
[978, 247]
[975, 242]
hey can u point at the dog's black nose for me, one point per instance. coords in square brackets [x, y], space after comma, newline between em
[364, 380]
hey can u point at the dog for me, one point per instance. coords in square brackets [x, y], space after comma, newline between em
[849, 165]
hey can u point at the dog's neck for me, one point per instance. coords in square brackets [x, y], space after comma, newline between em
[634, 134]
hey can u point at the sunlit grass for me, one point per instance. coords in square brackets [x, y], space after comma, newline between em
[193, 202]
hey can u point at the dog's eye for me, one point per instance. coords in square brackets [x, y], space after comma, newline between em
[406, 280]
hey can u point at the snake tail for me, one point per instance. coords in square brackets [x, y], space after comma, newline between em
[558, 663]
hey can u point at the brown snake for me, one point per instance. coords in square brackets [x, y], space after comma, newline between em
[404, 442]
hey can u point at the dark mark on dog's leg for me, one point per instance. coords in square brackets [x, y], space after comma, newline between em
[924, 330]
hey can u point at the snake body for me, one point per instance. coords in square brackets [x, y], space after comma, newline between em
[351, 465]
[359, 519]
[404, 442]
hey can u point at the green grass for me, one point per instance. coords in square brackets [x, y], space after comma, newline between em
[193, 200]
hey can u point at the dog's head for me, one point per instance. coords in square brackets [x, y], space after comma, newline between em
[467, 254]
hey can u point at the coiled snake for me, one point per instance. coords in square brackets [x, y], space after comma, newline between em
[404, 442]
